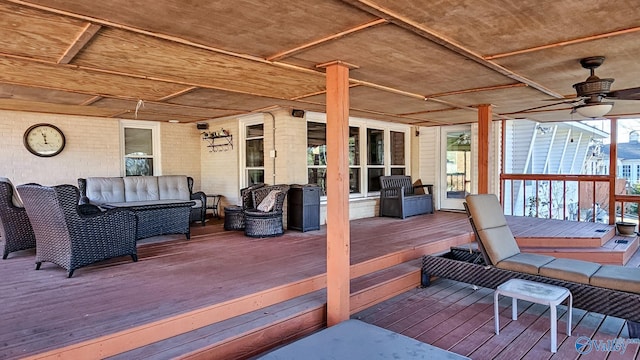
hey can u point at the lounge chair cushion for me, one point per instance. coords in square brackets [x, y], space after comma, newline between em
[524, 262]
[570, 270]
[617, 277]
[491, 225]
[499, 243]
[486, 210]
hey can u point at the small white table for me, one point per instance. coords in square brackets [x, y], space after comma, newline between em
[538, 293]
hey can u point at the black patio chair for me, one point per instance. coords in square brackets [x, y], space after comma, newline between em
[72, 236]
[15, 227]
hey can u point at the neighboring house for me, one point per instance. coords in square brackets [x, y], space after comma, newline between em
[628, 158]
[565, 148]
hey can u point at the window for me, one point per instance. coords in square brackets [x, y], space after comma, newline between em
[254, 153]
[626, 171]
[397, 153]
[317, 157]
[384, 149]
[139, 148]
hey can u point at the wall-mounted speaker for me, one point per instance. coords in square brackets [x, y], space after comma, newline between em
[202, 126]
[297, 113]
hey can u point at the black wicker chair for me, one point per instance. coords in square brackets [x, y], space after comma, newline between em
[71, 239]
[197, 213]
[15, 227]
[265, 224]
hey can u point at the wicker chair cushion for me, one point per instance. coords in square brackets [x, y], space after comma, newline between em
[523, 262]
[617, 277]
[15, 198]
[570, 270]
[268, 202]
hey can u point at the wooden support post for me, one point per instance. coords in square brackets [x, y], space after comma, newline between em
[338, 240]
[484, 126]
[613, 168]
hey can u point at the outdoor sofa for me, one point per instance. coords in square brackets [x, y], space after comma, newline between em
[605, 289]
[164, 204]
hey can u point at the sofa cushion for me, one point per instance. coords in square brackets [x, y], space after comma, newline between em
[524, 262]
[105, 189]
[141, 188]
[617, 277]
[173, 187]
[570, 270]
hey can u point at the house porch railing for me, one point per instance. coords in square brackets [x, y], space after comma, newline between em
[567, 197]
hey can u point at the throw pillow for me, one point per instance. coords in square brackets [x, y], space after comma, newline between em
[418, 189]
[268, 202]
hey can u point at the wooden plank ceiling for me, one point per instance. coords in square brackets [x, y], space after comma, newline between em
[419, 62]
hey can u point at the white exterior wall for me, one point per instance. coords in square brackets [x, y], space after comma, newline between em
[220, 169]
[92, 149]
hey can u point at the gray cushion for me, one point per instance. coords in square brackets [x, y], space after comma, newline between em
[617, 277]
[499, 243]
[105, 189]
[495, 235]
[486, 211]
[173, 187]
[524, 262]
[570, 270]
[141, 188]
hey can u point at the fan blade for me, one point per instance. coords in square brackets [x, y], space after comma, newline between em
[543, 106]
[625, 94]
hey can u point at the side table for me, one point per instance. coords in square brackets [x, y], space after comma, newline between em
[538, 293]
[233, 217]
[213, 204]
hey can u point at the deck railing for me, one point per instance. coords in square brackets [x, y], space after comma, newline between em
[566, 197]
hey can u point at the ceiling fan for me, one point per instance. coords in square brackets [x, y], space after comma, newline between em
[591, 93]
[595, 90]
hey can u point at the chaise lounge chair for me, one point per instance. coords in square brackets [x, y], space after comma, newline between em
[606, 289]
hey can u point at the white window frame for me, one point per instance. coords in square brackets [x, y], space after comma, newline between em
[244, 122]
[363, 125]
[155, 138]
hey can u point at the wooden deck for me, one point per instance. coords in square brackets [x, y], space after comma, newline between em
[212, 291]
[455, 316]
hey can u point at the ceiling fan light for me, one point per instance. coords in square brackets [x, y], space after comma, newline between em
[594, 110]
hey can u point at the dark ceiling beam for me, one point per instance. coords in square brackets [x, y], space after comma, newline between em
[428, 34]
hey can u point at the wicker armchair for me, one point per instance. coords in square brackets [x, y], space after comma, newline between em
[15, 227]
[265, 224]
[197, 213]
[71, 239]
[247, 196]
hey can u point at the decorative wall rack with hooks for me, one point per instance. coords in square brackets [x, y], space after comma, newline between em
[218, 141]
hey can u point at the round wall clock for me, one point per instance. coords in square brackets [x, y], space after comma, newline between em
[44, 140]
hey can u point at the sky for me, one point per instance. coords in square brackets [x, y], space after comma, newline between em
[625, 126]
